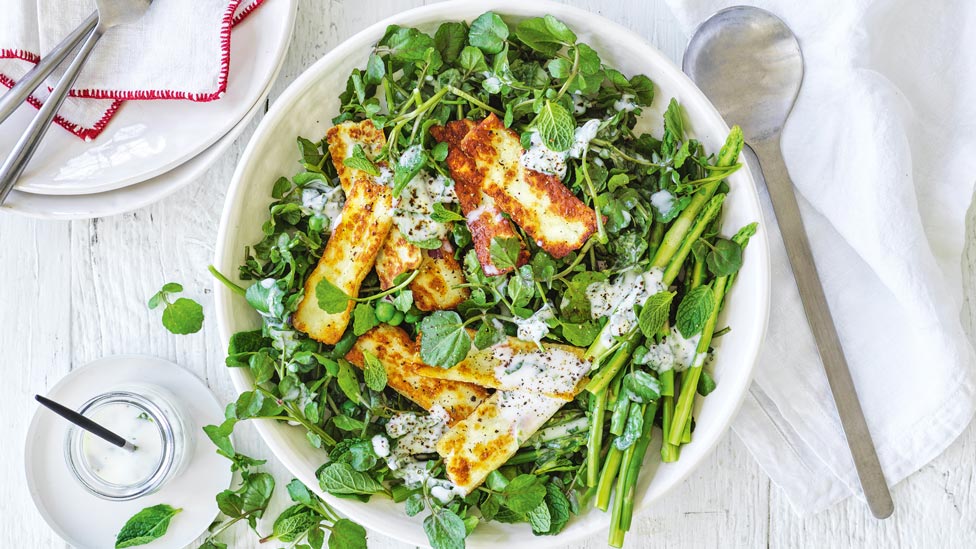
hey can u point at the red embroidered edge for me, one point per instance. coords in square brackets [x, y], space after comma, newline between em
[82, 132]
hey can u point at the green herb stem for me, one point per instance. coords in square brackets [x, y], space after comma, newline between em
[226, 281]
[472, 99]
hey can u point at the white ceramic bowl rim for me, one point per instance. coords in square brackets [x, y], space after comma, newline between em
[698, 109]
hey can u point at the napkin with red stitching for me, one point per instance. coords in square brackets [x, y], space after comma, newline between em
[180, 49]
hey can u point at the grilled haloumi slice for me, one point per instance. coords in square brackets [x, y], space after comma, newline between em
[343, 138]
[558, 372]
[485, 440]
[438, 285]
[348, 257]
[400, 356]
[484, 219]
[396, 257]
[538, 203]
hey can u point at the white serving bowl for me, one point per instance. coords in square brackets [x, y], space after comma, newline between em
[307, 107]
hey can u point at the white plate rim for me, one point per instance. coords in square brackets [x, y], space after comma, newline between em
[758, 245]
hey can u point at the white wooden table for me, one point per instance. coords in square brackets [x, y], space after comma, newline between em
[71, 292]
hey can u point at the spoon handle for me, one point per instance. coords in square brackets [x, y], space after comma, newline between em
[12, 100]
[28, 143]
[783, 198]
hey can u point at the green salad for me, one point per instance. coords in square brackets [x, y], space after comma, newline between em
[583, 305]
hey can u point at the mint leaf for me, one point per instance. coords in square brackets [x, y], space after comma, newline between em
[504, 252]
[293, 523]
[341, 479]
[540, 519]
[655, 313]
[642, 387]
[546, 35]
[330, 298]
[346, 534]
[444, 529]
[299, 493]
[581, 334]
[556, 126]
[725, 259]
[348, 382]
[407, 167]
[146, 526]
[415, 504]
[359, 161]
[524, 493]
[443, 341]
[694, 310]
[442, 215]
[374, 373]
[364, 319]
[706, 384]
[559, 508]
[488, 33]
[183, 316]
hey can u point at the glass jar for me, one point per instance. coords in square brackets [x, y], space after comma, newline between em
[146, 416]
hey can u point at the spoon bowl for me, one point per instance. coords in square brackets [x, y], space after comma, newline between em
[749, 64]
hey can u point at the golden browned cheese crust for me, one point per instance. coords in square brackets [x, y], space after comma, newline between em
[485, 221]
[348, 257]
[400, 356]
[539, 203]
[344, 137]
[481, 368]
[396, 257]
[437, 286]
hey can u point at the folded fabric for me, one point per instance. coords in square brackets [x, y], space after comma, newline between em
[879, 146]
[180, 49]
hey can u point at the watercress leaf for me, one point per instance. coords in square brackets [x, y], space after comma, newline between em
[546, 35]
[340, 478]
[403, 301]
[556, 126]
[407, 44]
[694, 309]
[359, 161]
[220, 436]
[281, 186]
[146, 526]
[673, 121]
[642, 385]
[643, 90]
[487, 335]
[725, 259]
[581, 334]
[230, 503]
[347, 423]
[299, 493]
[293, 523]
[450, 40]
[330, 297]
[655, 313]
[488, 33]
[443, 215]
[247, 342]
[212, 544]
[172, 288]
[183, 316]
[505, 252]
[155, 300]
[348, 382]
[374, 373]
[617, 181]
[415, 504]
[375, 69]
[444, 341]
[706, 384]
[364, 319]
[256, 492]
[540, 519]
[524, 493]
[489, 508]
[445, 529]
[560, 68]
[347, 534]
[589, 60]
[472, 60]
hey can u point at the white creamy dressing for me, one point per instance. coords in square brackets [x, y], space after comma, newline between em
[412, 210]
[526, 411]
[662, 201]
[625, 103]
[416, 434]
[324, 200]
[542, 159]
[491, 83]
[385, 177]
[615, 300]
[534, 328]
[551, 371]
[676, 352]
[580, 103]
[283, 337]
[117, 465]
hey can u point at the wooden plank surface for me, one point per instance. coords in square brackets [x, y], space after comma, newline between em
[71, 292]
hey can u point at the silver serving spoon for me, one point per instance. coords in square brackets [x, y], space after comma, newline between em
[748, 63]
[110, 14]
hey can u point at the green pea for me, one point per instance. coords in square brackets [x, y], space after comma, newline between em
[385, 311]
[316, 223]
[397, 319]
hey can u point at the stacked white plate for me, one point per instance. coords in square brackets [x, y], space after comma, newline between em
[150, 148]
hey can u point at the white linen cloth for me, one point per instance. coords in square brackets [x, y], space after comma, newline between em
[881, 149]
[180, 49]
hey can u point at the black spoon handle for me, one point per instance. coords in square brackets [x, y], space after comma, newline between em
[82, 421]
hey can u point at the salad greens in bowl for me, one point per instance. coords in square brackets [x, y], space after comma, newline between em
[492, 272]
